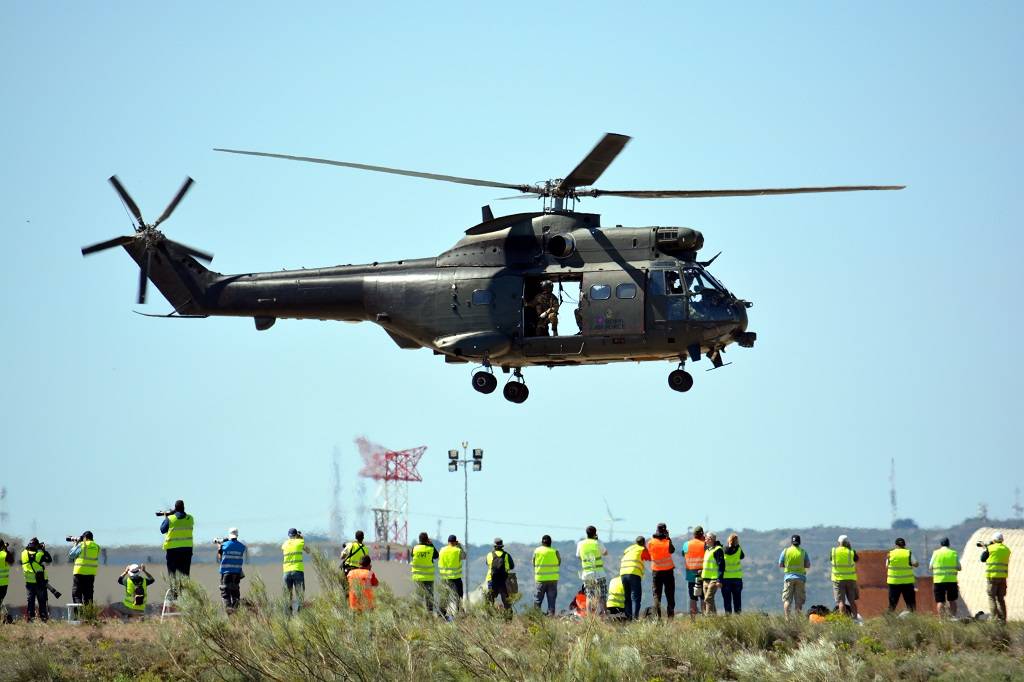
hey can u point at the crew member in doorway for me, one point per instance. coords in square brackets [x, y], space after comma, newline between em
[546, 304]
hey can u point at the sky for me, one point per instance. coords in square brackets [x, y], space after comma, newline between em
[885, 321]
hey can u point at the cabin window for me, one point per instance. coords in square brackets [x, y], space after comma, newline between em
[625, 291]
[482, 297]
[673, 283]
[600, 292]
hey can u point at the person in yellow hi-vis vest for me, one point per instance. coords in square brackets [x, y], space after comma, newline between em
[547, 563]
[86, 556]
[631, 572]
[177, 528]
[449, 565]
[7, 555]
[845, 589]
[996, 558]
[294, 569]
[421, 569]
[900, 567]
[945, 565]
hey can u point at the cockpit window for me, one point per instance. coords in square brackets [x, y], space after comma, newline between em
[656, 283]
[600, 292]
[698, 281]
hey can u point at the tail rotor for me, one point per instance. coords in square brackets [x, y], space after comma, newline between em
[151, 239]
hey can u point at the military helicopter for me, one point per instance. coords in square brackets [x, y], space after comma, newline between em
[640, 292]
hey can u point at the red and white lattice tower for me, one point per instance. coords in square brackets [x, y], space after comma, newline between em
[393, 470]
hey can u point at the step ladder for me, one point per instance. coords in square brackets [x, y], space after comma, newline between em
[170, 607]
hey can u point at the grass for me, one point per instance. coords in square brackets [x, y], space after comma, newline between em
[399, 641]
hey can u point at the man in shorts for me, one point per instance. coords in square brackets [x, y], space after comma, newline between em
[795, 562]
[944, 565]
[844, 576]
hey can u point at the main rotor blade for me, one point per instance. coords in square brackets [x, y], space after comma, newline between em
[701, 193]
[384, 169]
[595, 163]
[144, 276]
[528, 195]
[174, 202]
[192, 251]
[127, 199]
[109, 244]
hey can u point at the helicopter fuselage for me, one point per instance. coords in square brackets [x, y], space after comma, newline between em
[641, 294]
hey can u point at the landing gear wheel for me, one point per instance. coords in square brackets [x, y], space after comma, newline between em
[680, 380]
[484, 382]
[516, 392]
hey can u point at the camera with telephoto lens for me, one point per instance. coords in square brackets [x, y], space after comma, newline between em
[73, 539]
[165, 512]
[219, 541]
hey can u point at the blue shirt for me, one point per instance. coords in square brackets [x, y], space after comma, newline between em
[795, 576]
[232, 553]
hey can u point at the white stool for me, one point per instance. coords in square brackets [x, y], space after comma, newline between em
[73, 614]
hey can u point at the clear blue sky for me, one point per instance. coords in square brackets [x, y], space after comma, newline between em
[886, 321]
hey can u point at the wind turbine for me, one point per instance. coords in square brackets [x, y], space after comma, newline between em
[611, 521]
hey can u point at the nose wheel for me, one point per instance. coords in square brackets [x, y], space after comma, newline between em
[484, 382]
[515, 390]
[680, 380]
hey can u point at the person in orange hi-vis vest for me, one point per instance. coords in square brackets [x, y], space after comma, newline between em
[693, 550]
[663, 575]
[361, 582]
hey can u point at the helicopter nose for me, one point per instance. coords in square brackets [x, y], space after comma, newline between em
[744, 338]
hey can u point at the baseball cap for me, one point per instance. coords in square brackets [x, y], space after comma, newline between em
[233, 533]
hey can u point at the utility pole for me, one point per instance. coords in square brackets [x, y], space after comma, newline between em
[453, 465]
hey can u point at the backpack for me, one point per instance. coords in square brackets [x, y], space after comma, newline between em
[498, 571]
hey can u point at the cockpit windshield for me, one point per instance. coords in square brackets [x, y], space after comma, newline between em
[698, 281]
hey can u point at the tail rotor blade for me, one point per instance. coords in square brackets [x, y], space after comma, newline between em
[127, 199]
[175, 201]
[144, 276]
[109, 244]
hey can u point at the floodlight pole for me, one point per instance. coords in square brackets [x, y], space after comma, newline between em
[466, 461]
[465, 529]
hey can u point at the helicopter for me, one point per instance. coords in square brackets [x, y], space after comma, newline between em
[489, 300]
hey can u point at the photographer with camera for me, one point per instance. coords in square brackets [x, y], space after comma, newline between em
[6, 561]
[177, 528]
[294, 569]
[230, 555]
[33, 563]
[136, 580]
[996, 557]
[86, 555]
